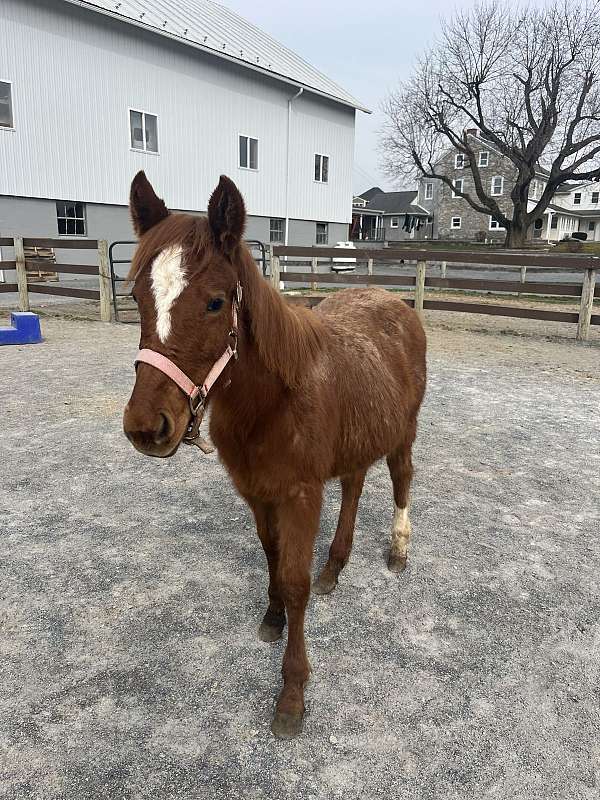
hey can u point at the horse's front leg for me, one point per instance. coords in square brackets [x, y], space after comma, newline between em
[273, 622]
[297, 525]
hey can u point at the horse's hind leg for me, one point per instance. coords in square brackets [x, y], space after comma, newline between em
[339, 552]
[401, 470]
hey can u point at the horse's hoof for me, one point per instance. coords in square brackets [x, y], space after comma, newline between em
[271, 628]
[286, 726]
[324, 585]
[326, 582]
[396, 563]
[270, 633]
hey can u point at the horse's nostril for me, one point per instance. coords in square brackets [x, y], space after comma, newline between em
[164, 430]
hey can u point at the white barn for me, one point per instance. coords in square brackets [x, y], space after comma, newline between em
[92, 92]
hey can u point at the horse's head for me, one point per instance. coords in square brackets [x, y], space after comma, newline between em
[185, 286]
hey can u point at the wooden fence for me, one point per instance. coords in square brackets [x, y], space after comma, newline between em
[25, 288]
[584, 289]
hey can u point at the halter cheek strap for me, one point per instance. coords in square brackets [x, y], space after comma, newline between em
[197, 394]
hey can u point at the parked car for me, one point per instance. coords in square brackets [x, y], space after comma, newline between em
[343, 264]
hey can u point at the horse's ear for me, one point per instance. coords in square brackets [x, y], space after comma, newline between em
[226, 215]
[145, 207]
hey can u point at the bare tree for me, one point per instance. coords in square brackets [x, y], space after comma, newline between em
[528, 79]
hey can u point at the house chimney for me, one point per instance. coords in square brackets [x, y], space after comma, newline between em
[471, 131]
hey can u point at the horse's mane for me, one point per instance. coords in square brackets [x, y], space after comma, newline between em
[288, 337]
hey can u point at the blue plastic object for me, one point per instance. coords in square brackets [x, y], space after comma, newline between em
[24, 329]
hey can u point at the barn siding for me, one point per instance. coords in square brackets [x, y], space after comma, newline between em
[75, 74]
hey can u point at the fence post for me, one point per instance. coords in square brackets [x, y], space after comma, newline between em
[104, 276]
[443, 269]
[420, 286]
[523, 274]
[275, 269]
[587, 302]
[21, 274]
[369, 268]
[313, 269]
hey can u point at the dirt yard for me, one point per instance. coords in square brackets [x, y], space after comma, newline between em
[131, 590]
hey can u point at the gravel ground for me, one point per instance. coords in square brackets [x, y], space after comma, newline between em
[131, 590]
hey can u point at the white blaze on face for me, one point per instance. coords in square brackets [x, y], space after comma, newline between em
[168, 282]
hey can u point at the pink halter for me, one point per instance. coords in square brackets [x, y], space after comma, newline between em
[197, 394]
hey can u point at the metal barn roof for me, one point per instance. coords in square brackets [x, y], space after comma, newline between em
[216, 29]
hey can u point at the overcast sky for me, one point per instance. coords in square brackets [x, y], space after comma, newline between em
[364, 46]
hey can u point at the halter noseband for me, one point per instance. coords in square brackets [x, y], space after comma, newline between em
[197, 394]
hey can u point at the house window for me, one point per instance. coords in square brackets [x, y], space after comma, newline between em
[143, 129]
[495, 225]
[322, 233]
[70, 218]
[458, 185]
[497, 185]
[595, 196]
[591, 226]
[276, 229]
[455, 224]
[394, 222]
[459, 161]
[6, 109]
[321, 168]
[484, 158]
[428, 191]
[534, 190]
[248, 152]
[554, 223]
[577, 199]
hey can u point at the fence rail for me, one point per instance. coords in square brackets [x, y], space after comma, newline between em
[586, 289]
[20, 264]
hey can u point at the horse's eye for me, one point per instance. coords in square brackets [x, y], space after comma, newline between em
[216, 304]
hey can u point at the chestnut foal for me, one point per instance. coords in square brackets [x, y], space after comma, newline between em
[296, 397]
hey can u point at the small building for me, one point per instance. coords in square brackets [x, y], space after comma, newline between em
[93, 91]
[386, 217]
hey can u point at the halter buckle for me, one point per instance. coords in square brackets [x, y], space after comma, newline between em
[197, 403]
[233, 337]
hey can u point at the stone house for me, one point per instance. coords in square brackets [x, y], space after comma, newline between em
[574, 207]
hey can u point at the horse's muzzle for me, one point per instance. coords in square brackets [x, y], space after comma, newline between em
[151, 434]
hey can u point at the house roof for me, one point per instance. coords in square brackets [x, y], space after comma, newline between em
[370, 193]
[394, 202]
[208, 26]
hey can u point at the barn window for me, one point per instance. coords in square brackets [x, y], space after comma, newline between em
[276, 230]
[143, 128]
[321, 168]
[322, 233]
[248, 152]
[456, 222]
[6, 109]
[70, 218]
